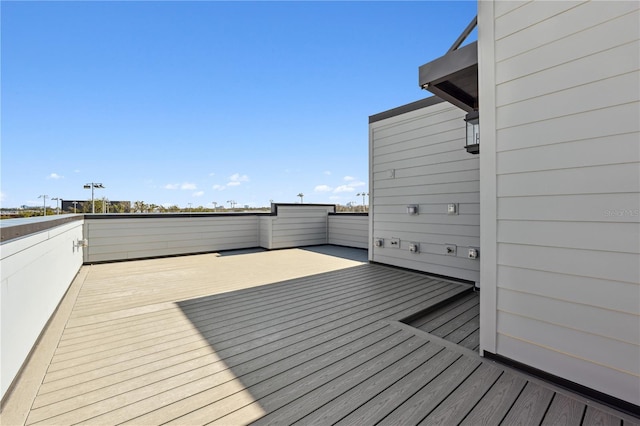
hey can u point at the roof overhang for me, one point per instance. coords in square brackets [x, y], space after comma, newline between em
[454, 77]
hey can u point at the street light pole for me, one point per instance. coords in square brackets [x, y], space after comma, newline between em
[93, 185]
[301, 195]
[75, 204]
[57, 208]
[44, 204]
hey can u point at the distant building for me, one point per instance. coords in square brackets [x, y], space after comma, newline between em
[68, 206]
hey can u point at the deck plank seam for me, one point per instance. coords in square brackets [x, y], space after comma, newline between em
[484, 394]
[443, 311]
[376, 328]
[451, 391]
[400, 343]
[382, 326]
[57, 359]
[258, 290]
[254, 291]
[336, 361]
[382, 389]
[214, 319]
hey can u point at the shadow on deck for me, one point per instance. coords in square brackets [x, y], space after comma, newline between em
[204, 340]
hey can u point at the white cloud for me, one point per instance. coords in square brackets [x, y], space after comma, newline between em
[349, 178]
[172, 186]
[188, 186]
[219, 187]
[212, 174]
[198, 194]
[54, 176]
[234, 183]
[323, 188]
[76, 171]
[357, 184]
[237, 177]
[343, 188]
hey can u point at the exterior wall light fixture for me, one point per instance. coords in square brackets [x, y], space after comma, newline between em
[473, 132]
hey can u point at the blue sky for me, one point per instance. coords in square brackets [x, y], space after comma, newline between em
[195, 102]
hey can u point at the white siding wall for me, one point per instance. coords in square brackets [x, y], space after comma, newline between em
[36, 272]
[564, 134]
[349, 230]
[425, 151]
[301, 225]
[131, 238]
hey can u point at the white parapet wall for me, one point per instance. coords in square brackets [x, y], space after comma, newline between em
[297, 225]
[41, 256]
[140, 236]
[136, 236]
[37, 269]
[349, 230]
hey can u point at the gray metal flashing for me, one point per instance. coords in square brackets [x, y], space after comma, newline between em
[23, 227]
[349, 214]
[274, 206]
[413, 106]
[170, 215]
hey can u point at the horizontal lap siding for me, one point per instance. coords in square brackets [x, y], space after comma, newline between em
[265, 232]
[425, 150]
[349, 231]
[568, 190]
[117, 239]
[296, 226]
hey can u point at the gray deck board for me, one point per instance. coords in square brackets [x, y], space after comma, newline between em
[145, 345]
[564, 411]
[495, 404]
[458, 321]
[455, 407]
[384, 402]
[357, 394]
[595, 417]
[420, 404]
[530, 407]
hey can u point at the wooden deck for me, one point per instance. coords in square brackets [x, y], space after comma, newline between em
[457, 321]
[283, 337]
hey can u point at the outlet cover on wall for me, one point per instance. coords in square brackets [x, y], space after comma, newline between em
[394, 242]
[473, 253]
[450, 249]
